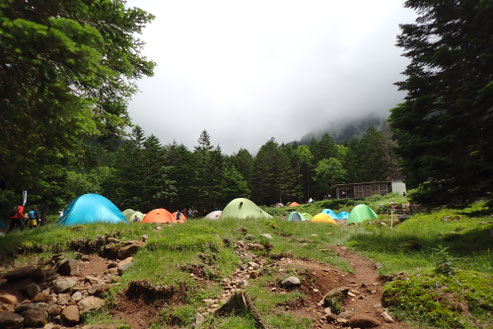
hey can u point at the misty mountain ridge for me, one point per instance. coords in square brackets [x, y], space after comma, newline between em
[344, 129]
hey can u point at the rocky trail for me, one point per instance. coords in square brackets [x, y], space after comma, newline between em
[57, 292]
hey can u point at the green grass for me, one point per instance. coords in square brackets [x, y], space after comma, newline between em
[417, 246]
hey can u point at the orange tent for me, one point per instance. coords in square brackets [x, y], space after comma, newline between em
[294, 204]
[182, 216]
[158, 216]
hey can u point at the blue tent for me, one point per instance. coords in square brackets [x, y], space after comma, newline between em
[340, 216]
[91, 208]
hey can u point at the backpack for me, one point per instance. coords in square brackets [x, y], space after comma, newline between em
[13, 211]
[31, 215]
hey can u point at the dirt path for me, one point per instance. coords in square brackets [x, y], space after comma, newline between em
[365, 291]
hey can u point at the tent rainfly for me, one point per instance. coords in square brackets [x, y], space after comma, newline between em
[158, 216]
[361, 213]
[243, 208]
[323, 218]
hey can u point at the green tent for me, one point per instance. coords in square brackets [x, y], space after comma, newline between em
[127, 212]
[295, 216]
[243, 208]
[307, 215]
[361, 213]
[140, 216]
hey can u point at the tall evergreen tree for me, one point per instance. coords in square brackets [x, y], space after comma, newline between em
[67, 70]
[445, 126]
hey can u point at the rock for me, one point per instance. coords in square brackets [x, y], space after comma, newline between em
[267, 236]
[145, 237]
[199, 319]
[53, 310]
[69, 267]
[92, 279]
[291, 282]
[44, 274]
[63, 299]
[35, 317]
[254, 246]
[85, 258]
[253, 265]
[99, 289]
[131, 249]
[19, 273]
[363, 321]
[64, 284]
[158, 228]
[249, 237]
[8, 299]
[346, 314]
[112, 240]
[71, 314]
[386, 316]
[10, 320]
[342, 321]
[31, 289]
[42, 296]
[89, 303]
[23, 307]
[327, 310]
[241, 229]
[77, 296]
[122, 269]
[314, 235]
[125, 261]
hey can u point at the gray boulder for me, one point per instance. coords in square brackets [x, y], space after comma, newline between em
[31, 289]
[291, 282]
[69, 267]
[363, 321]
[64, 284]
[19, 273]
[90, 303]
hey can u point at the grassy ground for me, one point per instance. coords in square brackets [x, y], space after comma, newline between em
[447, 254]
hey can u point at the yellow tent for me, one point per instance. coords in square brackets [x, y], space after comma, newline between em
[323, 218]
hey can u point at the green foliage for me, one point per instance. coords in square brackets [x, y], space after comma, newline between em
[444, 126]
[438, 300]
[183, 315]
[67, 71]
[328, 172]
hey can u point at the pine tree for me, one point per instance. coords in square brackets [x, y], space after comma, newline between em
[444, 128]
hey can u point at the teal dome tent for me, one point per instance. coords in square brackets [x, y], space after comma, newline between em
[361, 213]
[91, 208]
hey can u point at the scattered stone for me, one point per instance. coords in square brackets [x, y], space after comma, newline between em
[8, 299]
[35, 317]
[112, 239]
[122, 269]
[249, 237]
[315, 290]
[19, 273]
[125, 261]
[158, 228]
[241, 229]
[314, 235]
[31, 289]
[346, 314]
[267, 236]
[386, 316]
[327, 310]
[342, 321]
[77, 296]
[69, 267]
[130, 249]
[63, 299]
[42, 296]
[199, 319]
[64, 284]
[90, 303]
[255, 246]
[291, 282]
[92, 279]
[350, 294]
[10, 320]
[145, 237]
[99, 289]
[53, 310]
[85, 258]
[71, 314]
[240, 244]
[363, 321]
[253, 275]
[253, 264]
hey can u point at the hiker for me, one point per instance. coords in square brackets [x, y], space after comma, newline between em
[404, 193]
[17, 219]
[136, 218]
[178, 214]
[33, 217]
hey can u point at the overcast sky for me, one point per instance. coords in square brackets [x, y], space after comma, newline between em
[247, 71]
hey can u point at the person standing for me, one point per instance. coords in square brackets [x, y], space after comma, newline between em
[17, 219]
[33, 217]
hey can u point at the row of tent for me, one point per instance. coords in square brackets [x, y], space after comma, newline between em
[359, 214]
[92, 208]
